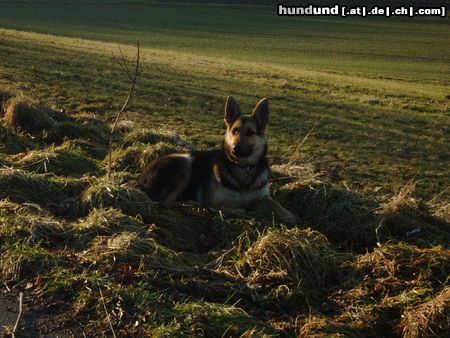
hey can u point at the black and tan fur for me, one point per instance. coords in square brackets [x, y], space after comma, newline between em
[232, 177]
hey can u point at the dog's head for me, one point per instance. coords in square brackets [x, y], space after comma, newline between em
[245, 138]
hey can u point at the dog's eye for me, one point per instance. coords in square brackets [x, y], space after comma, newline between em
[235, 131]
[250, 132]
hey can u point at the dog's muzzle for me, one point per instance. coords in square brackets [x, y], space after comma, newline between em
[242, 150]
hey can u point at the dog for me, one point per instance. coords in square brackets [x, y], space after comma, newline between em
[234, 177]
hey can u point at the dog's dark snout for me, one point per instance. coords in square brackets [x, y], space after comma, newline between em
[242, 150]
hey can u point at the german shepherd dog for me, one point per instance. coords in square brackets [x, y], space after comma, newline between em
[233, 177]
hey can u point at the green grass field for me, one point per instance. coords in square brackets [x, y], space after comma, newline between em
[359, 110]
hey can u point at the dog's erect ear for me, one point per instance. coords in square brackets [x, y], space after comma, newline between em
[232, 111]
[261, 113]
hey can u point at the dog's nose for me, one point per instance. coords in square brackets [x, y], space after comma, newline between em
[242, 150]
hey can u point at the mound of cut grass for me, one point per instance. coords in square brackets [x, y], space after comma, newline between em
[21, 260]
[64, 160]
[95, 150]
[380, 285]
[137, 156]
[345, 325]
[20, 186]
[296, 257]
[442, 211]
[74, 130]
[343, 217]
[105, 193]
[214, 320]
[33, 227]
[147, 136]
[430, 319]
[196, 229]
[403, 214]
[130, 248]
[23, 114]
[5, 95]
[11, 142]
[102, 222]
[429, 266]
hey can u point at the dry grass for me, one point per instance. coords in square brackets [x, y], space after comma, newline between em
[430, 319]
[21, 260]
[104, 193]
[344, 217]
[148, 136]
[21, 186]
[13, 143]
[196, 229]
[102, 222]
[5, 96]
[403, 215]
[33, 226]
[303, 258]
[73, 130]
[442, 211]
[134, 158]
[64, 160]
[22, 113]
[428, 267]
[130, 251]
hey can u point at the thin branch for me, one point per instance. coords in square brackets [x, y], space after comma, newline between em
[124, 62]
[16, 325]
[130, 94]
[122, 69]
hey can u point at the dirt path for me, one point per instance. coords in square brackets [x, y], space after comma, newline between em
[37, 320]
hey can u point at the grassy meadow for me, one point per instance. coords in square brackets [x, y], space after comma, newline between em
[359, 136]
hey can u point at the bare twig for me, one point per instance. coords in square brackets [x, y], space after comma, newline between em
[130, 94]
[106, 311]
[16, 325]
[125, 64]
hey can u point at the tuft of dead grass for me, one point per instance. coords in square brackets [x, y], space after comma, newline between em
[32, 226]
[345, 218]
[55, 194]
[442, 211]
[65, 160]
[137, 156]
[20, 260]
[75, 130]
[430, 319]
[129, 248]
[13, 143]
[149, 137]
[407, 262]
[217, 320]
[302, 258]
[196, 229]
[403, 214]
[102, 222]
[5, 96]
[105, 193]
[346, 325]
[20, 186]
[22, 113]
